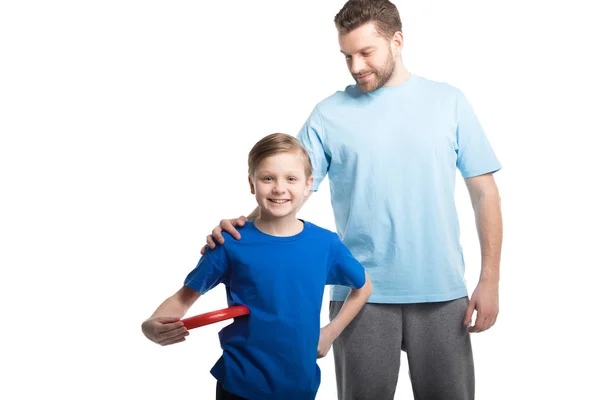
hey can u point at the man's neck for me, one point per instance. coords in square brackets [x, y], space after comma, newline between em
[401, 75]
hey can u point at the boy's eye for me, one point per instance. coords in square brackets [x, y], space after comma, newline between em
[267, 178]
[292, 178]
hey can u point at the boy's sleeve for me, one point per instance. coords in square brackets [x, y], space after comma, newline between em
[211, 270]
[344, 269]
[475, 154]
[312, 137]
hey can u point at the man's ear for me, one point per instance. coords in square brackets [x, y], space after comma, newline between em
[397, 43]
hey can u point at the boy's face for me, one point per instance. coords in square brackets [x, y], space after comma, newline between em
[280, 185]
[369, 56]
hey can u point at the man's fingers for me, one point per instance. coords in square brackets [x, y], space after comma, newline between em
[479, 324]
[469, 313]
[216, 233]
[485, 320]
[228, 225]
[216, 236]
[494, 320]
[210, 242]
[240, 221]
[489, 322]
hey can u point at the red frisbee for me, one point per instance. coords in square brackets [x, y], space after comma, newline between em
[215, 316]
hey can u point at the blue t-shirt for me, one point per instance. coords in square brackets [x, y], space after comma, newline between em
[392, 157]
[272, 352]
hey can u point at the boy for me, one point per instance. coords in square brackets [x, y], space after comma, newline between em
[279, 269]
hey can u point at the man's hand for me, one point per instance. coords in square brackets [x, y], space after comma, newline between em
[227, 225]
[165, 330]
[485, 301]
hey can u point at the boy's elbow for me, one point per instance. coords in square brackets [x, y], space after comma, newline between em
[368, 286]
[186, 297]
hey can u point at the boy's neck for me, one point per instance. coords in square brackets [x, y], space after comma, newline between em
[287, 226]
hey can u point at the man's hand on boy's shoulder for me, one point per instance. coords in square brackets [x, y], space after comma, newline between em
[227, 225]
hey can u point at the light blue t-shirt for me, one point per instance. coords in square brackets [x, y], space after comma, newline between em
[391, 157]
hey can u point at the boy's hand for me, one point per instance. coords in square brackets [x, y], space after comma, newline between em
[227, 225]
[164, 330]
[325, 341]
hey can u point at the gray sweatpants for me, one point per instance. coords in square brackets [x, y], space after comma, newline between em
[437, 345]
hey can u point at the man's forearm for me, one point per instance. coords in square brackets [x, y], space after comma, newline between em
[488, 218]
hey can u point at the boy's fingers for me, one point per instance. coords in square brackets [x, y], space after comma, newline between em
[167, 320]
[166, 327]
[172, 341]
[175, 333]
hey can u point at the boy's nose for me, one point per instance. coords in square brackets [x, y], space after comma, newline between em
[279, 188]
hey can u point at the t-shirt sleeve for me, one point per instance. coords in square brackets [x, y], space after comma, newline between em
[211, 270]
[475, 154]
[312, 137]
[344, 269]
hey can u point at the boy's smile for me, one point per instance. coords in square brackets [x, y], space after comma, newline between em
[280, 186]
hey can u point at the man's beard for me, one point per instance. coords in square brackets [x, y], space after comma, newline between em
[382, 76]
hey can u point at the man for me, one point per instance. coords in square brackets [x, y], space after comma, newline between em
[391, 145]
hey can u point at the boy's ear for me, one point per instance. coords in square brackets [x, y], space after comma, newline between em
[309, 184]
[251, 185]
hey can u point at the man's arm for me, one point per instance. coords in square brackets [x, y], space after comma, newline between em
[485, 199]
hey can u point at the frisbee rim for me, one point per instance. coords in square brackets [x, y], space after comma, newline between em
[215, 316]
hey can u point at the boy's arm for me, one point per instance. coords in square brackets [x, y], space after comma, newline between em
[352, 305]
[178, 304]
[164, 326]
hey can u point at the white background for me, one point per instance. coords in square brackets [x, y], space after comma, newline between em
[125, 127]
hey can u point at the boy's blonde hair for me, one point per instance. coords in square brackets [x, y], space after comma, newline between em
[277, 143]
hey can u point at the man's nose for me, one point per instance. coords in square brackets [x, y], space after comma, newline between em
[357, 65]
